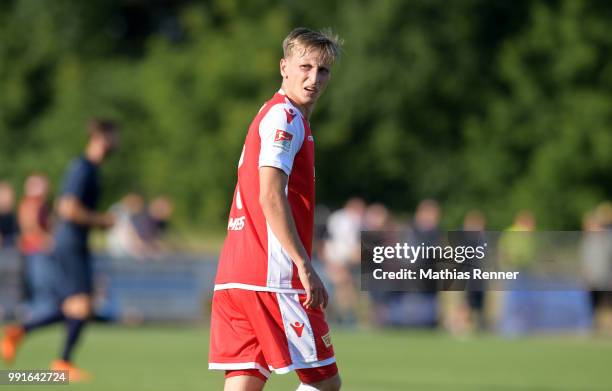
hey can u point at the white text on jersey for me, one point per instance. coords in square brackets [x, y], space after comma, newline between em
[235, 224]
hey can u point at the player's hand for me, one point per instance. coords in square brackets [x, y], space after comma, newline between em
[316, 294]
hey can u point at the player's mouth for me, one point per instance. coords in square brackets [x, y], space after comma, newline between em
[311, 90]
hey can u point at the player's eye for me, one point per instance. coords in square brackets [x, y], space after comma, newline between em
[306, 67]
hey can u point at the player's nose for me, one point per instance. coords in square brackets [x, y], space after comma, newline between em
[313, 76]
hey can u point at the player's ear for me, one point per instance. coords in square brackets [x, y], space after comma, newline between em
[283, 66]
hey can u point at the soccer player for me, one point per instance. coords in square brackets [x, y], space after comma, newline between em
[267, 310]
[72, 280]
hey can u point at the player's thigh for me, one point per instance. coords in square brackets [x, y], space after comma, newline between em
[332, 384]
[73, 280]
[249, 382]
[291, 335]
[232, 337]
[321, 378]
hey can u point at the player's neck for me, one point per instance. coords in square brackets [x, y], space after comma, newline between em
[306, 110]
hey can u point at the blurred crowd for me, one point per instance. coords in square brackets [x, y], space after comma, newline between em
[139, 227]
[139, 232]
[338, 255]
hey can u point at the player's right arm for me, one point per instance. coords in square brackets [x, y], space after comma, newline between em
[281, 138]
[277, 211]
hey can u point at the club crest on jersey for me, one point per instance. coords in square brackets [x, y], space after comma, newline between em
[282, 140]
[298, 328]
[290, 115]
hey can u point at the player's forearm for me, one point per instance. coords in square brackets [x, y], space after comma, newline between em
[72, 210]
[278, 215]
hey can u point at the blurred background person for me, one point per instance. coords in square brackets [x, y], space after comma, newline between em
[154, 225]
[9, 230]
[378, 218]
[320, 236]
[596, 256]
[475, 224]
[35, 242]
[378, 223]
[342, 257]
[425, 230]
[73, 282]
[517, 249]
[125, 238]
[517, 245]
[140, 231]
[319, 240]
[426, 223]
[422, 307]
[160, 212]
[468, 314]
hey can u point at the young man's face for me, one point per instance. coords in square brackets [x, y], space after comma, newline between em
[305, 76]
[107, 143]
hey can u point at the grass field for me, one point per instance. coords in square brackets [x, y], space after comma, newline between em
[173, 358]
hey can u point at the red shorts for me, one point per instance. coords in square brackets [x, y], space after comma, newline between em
[269, 331]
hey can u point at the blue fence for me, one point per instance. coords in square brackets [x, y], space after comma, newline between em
[179, 288]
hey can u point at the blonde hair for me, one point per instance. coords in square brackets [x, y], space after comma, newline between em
[328, 43]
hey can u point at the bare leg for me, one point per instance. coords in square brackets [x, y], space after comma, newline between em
[244, 383]
[331, 384]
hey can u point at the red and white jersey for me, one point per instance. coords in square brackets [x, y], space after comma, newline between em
[252, 257]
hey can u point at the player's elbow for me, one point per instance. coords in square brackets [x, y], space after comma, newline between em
[265, 200]
[269, 200]
[67, 209]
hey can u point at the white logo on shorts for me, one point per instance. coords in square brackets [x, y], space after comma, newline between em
[326, 340]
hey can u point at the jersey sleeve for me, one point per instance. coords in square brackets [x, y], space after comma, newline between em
[75, 181]
[282, 133]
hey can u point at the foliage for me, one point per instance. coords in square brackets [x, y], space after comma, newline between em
[495, 105]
